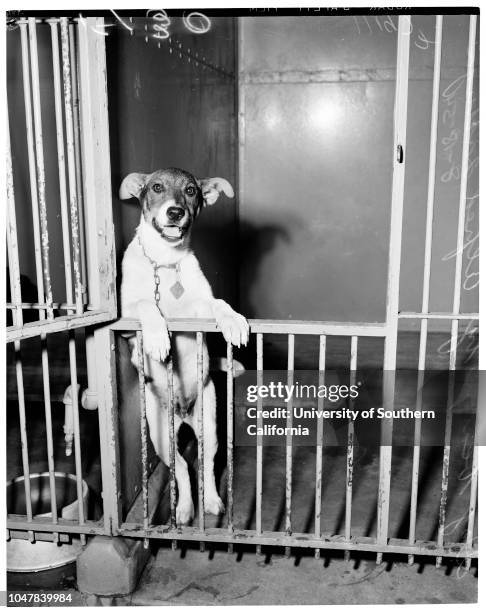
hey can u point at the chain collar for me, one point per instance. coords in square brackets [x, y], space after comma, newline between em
[177, 289]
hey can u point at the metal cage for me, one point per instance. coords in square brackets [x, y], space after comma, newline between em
[86, 216]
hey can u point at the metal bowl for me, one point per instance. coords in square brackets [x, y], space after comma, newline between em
[22, 556]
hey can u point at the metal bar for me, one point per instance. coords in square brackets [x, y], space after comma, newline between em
[319, 444]
[39, 156]
[143, 432]
[416, 441]
[45, 525]
[393, 282]
[439, 315]
[49, 436]
[44, 352]
[71, 163]
[32, 164]
[299, 540]
[37, 306]
[108, 427]
[457, 281]
[172, 448]
[464, 163]
[200, 432]
[350, 451]
[288, 457]
[269, 326]
[12, 242]
[59, 324]
[426, 278]
[15, 290]
[77, 434]
[259, 448]
[472, 494]
[61, 159]
[95, 154]
[446, 459]
[229, 439]
[23, 436]
[241, 111]
[77, 153]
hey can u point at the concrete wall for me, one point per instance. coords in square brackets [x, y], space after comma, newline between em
[318, 106]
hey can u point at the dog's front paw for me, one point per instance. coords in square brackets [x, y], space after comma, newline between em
[234, 327]
[156, 342]
[184, 511]
[213, 504]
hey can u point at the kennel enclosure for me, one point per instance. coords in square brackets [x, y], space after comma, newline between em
[76, 300]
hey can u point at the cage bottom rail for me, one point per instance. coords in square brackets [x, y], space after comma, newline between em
[298, 540]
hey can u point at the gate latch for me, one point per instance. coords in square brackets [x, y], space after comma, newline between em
[400, 154]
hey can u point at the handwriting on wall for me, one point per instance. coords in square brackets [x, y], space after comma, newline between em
[371, 24]
[452, 119]
[157, 24]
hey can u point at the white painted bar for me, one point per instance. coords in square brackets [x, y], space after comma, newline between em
[473, 493]
[77, 436]
[108, 418]
[268, 326]
[465, 163]
[229, 438]
[426, 278]
[259, 448]
[350, 448]
[143, 432]
[200, 428]
[31, 158]
[12, 242]
[172, 445]
[288, 454]
[464, 316]
[77, 155]
[457, 281]
[61, 161]
[319, 444]
[95, 158]
[393, 283]
[15, 290]
[39, 157]
[71, 163]
[36, 328]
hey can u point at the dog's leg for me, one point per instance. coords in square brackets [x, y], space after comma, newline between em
[212, 501]
[158, 420]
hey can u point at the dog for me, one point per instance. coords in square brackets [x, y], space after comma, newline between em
[161, 278]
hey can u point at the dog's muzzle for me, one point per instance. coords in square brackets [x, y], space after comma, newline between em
[172, 233]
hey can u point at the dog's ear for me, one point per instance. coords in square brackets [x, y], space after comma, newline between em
[212, 187]
[132, 185]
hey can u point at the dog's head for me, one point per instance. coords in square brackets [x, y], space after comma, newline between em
[171, 199]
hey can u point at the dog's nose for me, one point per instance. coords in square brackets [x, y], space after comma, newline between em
[175, 213]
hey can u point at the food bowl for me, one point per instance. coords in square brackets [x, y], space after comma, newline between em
[24, 556]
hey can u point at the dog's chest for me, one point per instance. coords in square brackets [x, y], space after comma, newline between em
[173, 289]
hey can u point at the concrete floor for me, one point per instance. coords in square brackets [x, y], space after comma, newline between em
[195, 578]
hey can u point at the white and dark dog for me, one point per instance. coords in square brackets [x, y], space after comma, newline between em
[161, 278]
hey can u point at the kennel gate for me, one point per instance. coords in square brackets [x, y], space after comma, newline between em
[92, 156]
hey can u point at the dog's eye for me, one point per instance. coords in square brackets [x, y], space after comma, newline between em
[191, 190]
[157, 187]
